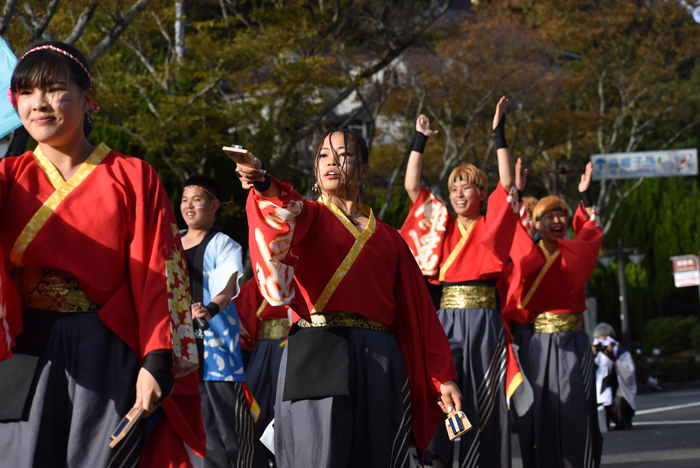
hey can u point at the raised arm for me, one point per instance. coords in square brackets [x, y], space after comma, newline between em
[415, 160]
[584, 188]
[504, 160]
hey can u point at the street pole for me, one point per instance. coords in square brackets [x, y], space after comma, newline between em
[624, 313]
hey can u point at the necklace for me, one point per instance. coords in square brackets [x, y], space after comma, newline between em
[351, 217]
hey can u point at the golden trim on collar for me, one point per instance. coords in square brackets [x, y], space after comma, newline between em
[458, 248]
[361, 239]
[549, 260]
[364, 209]
[63, 189]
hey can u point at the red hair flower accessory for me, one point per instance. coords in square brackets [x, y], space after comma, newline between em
[12, 98]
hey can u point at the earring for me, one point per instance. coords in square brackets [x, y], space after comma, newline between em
[89, 120]
[362, 185]
[315, 190]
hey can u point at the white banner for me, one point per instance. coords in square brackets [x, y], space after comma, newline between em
[670, 163]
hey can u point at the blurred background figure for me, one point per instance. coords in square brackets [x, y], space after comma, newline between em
[615, 378]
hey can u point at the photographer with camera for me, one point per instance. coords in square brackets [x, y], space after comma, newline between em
[615, 377]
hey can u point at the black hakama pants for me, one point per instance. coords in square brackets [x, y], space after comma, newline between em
[561, 429]
[478, 348]
[261, 373]
[228, 424]
[370, 428]
[82, 387]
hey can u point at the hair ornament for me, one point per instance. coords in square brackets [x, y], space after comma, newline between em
[12, 97]
[207, 191]
[61, 51]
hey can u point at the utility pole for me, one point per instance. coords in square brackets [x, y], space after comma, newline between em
[624, 312]
[606, 260]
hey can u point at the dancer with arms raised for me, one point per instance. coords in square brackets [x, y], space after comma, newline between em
[546, 289]
[466, 253]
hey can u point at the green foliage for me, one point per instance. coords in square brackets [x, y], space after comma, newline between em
[695, 337]
[670, 334]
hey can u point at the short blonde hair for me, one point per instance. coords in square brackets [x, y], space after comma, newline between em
[470, 173]
[548, 204]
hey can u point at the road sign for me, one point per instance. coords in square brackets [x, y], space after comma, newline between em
[670, 163]
[686, 270]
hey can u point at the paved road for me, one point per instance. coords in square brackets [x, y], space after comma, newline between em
[663, 437]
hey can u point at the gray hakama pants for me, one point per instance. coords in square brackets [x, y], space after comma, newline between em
[371, 428]
[229, 426]
[561, 429]
[83, 386]
[261, 375]
[478, 347]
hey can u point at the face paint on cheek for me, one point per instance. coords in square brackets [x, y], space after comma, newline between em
[200, 207]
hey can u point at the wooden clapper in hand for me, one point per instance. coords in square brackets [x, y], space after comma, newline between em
[126, 424]
[456, 422]
[240, 155]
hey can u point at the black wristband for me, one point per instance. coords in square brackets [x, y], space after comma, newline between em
[586, 198]
[159, 363]
[419, 141]
[264, 185]
[213, 309]
[499, 133]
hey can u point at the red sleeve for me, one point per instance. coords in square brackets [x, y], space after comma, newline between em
[247, 303]
[424, 231]
[158, 277]
[580, 254]
[423, 343]
[501, 218]
[10, 304]
[514, 275]
[276, 225]
[10, 313]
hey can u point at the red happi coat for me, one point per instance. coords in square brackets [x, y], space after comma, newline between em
[308, 255]
[252, 308]
[542, 282]
[112, 227]
[10, 312]
[446, 251]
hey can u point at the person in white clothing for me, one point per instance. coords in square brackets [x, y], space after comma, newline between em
[615, 377]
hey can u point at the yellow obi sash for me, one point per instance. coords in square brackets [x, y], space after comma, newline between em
[548, 322]
[343, 319]
[52, 289]
[468, 297]
[273, 329]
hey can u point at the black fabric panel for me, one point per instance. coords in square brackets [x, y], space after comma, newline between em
[17, 373]
[318, 363]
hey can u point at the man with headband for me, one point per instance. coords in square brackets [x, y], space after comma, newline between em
[215, 268]
[546, 291]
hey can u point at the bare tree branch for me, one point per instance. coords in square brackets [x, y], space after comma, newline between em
[7, 14]
[399, 167]
[82, 22]
[191, 100]
[122, 23]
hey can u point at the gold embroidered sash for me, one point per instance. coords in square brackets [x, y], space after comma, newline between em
[361, 239]
[468, 297]
[548, 322]
[548, 263]
[458, 248]
[273, 329]
[63, 189]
